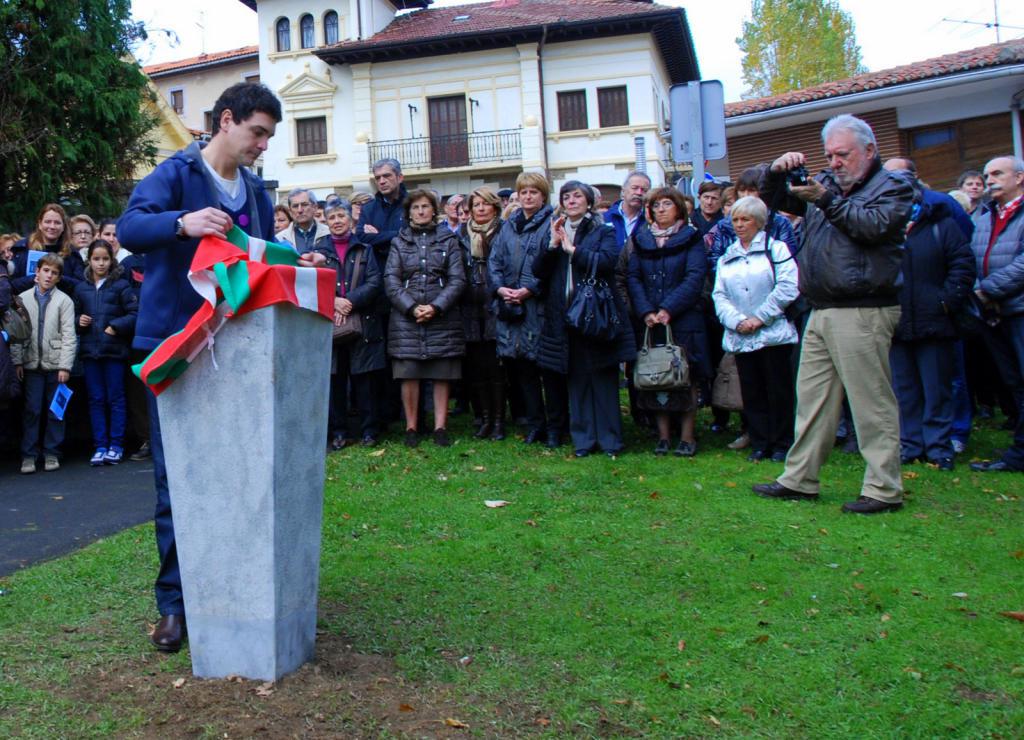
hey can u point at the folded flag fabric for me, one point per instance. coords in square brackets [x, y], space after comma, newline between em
[235, 276]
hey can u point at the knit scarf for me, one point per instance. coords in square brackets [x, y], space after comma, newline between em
[477, 235]
[341, 244]
[661, 235]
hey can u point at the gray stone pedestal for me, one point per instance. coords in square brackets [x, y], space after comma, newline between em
[245, 445]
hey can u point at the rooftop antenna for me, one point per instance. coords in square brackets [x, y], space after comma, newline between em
[202, 29]
[994, 23]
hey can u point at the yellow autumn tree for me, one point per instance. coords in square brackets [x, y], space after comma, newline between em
[792, 44]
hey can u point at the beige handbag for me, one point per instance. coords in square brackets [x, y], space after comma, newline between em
[725, 392]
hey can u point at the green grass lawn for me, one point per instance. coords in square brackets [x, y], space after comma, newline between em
[638, 596]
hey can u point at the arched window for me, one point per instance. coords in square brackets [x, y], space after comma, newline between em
[306, 31]
[284, 35]
[330, 27]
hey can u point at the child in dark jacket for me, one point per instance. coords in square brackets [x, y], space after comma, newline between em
[107, 308]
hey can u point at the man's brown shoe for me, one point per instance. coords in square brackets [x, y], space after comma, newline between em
[777, 490]
[865, 505]
[169, 633]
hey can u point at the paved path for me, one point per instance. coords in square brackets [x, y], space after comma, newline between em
[46, 515]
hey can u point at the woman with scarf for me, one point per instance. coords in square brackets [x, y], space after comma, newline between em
[666, 278]
[581, 243]
[357, 363]
[481, 367]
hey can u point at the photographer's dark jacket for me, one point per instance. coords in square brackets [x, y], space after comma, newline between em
[853, 244]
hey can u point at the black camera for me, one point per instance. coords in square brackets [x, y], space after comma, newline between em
[797, 176]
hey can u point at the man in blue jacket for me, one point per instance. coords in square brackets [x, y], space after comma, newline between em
[627, 213]
[200, 191]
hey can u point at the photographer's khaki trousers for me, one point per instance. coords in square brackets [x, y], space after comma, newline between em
[847, 348]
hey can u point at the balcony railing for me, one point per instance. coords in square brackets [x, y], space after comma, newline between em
[457, 150]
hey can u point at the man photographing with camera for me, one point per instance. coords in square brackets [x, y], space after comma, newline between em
[855, 216]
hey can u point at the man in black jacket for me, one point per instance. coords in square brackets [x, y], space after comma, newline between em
[856, 214]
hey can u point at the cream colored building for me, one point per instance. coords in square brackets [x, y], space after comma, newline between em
[191, 86]
[453, 93]
[471, 94]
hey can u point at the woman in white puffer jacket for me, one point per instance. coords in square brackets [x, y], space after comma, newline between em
[756, 280]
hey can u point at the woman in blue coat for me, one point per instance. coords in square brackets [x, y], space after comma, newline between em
[106, 307]
[516, 292]
[581, 242]
[665, 281]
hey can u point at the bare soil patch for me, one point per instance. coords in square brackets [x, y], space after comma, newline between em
[342, 693]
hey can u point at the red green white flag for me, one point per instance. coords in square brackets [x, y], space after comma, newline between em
[235, 275]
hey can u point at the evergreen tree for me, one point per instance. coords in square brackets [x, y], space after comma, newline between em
[72, 124]
[791, 44]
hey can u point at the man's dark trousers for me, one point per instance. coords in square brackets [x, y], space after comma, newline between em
[922, 373]
[1006, 343]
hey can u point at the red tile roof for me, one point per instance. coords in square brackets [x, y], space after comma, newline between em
[502, 15]
[495, 24]
[203, 60]
[993, 55]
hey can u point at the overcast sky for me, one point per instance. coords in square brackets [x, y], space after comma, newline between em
[890, 32]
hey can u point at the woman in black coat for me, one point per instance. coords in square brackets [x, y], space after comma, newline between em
[481, 366]
[357, 362]
[938, 275]
[665, 281]
[581, 243]
[424, 279]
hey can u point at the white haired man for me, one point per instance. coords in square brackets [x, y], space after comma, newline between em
[999, 252]
[856, 213]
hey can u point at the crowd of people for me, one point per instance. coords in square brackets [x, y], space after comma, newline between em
[856, 303]
[470, 295]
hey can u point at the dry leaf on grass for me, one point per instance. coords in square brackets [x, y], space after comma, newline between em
[959, 595]
[265, 689]
[178, 683]
[496, 504]
[714, 720]
[459, 724]
[378, 453]
[681, 645]
[1019, 616]
[479, 468]
[405, 708]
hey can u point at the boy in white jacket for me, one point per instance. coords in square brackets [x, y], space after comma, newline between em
[44, 362]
